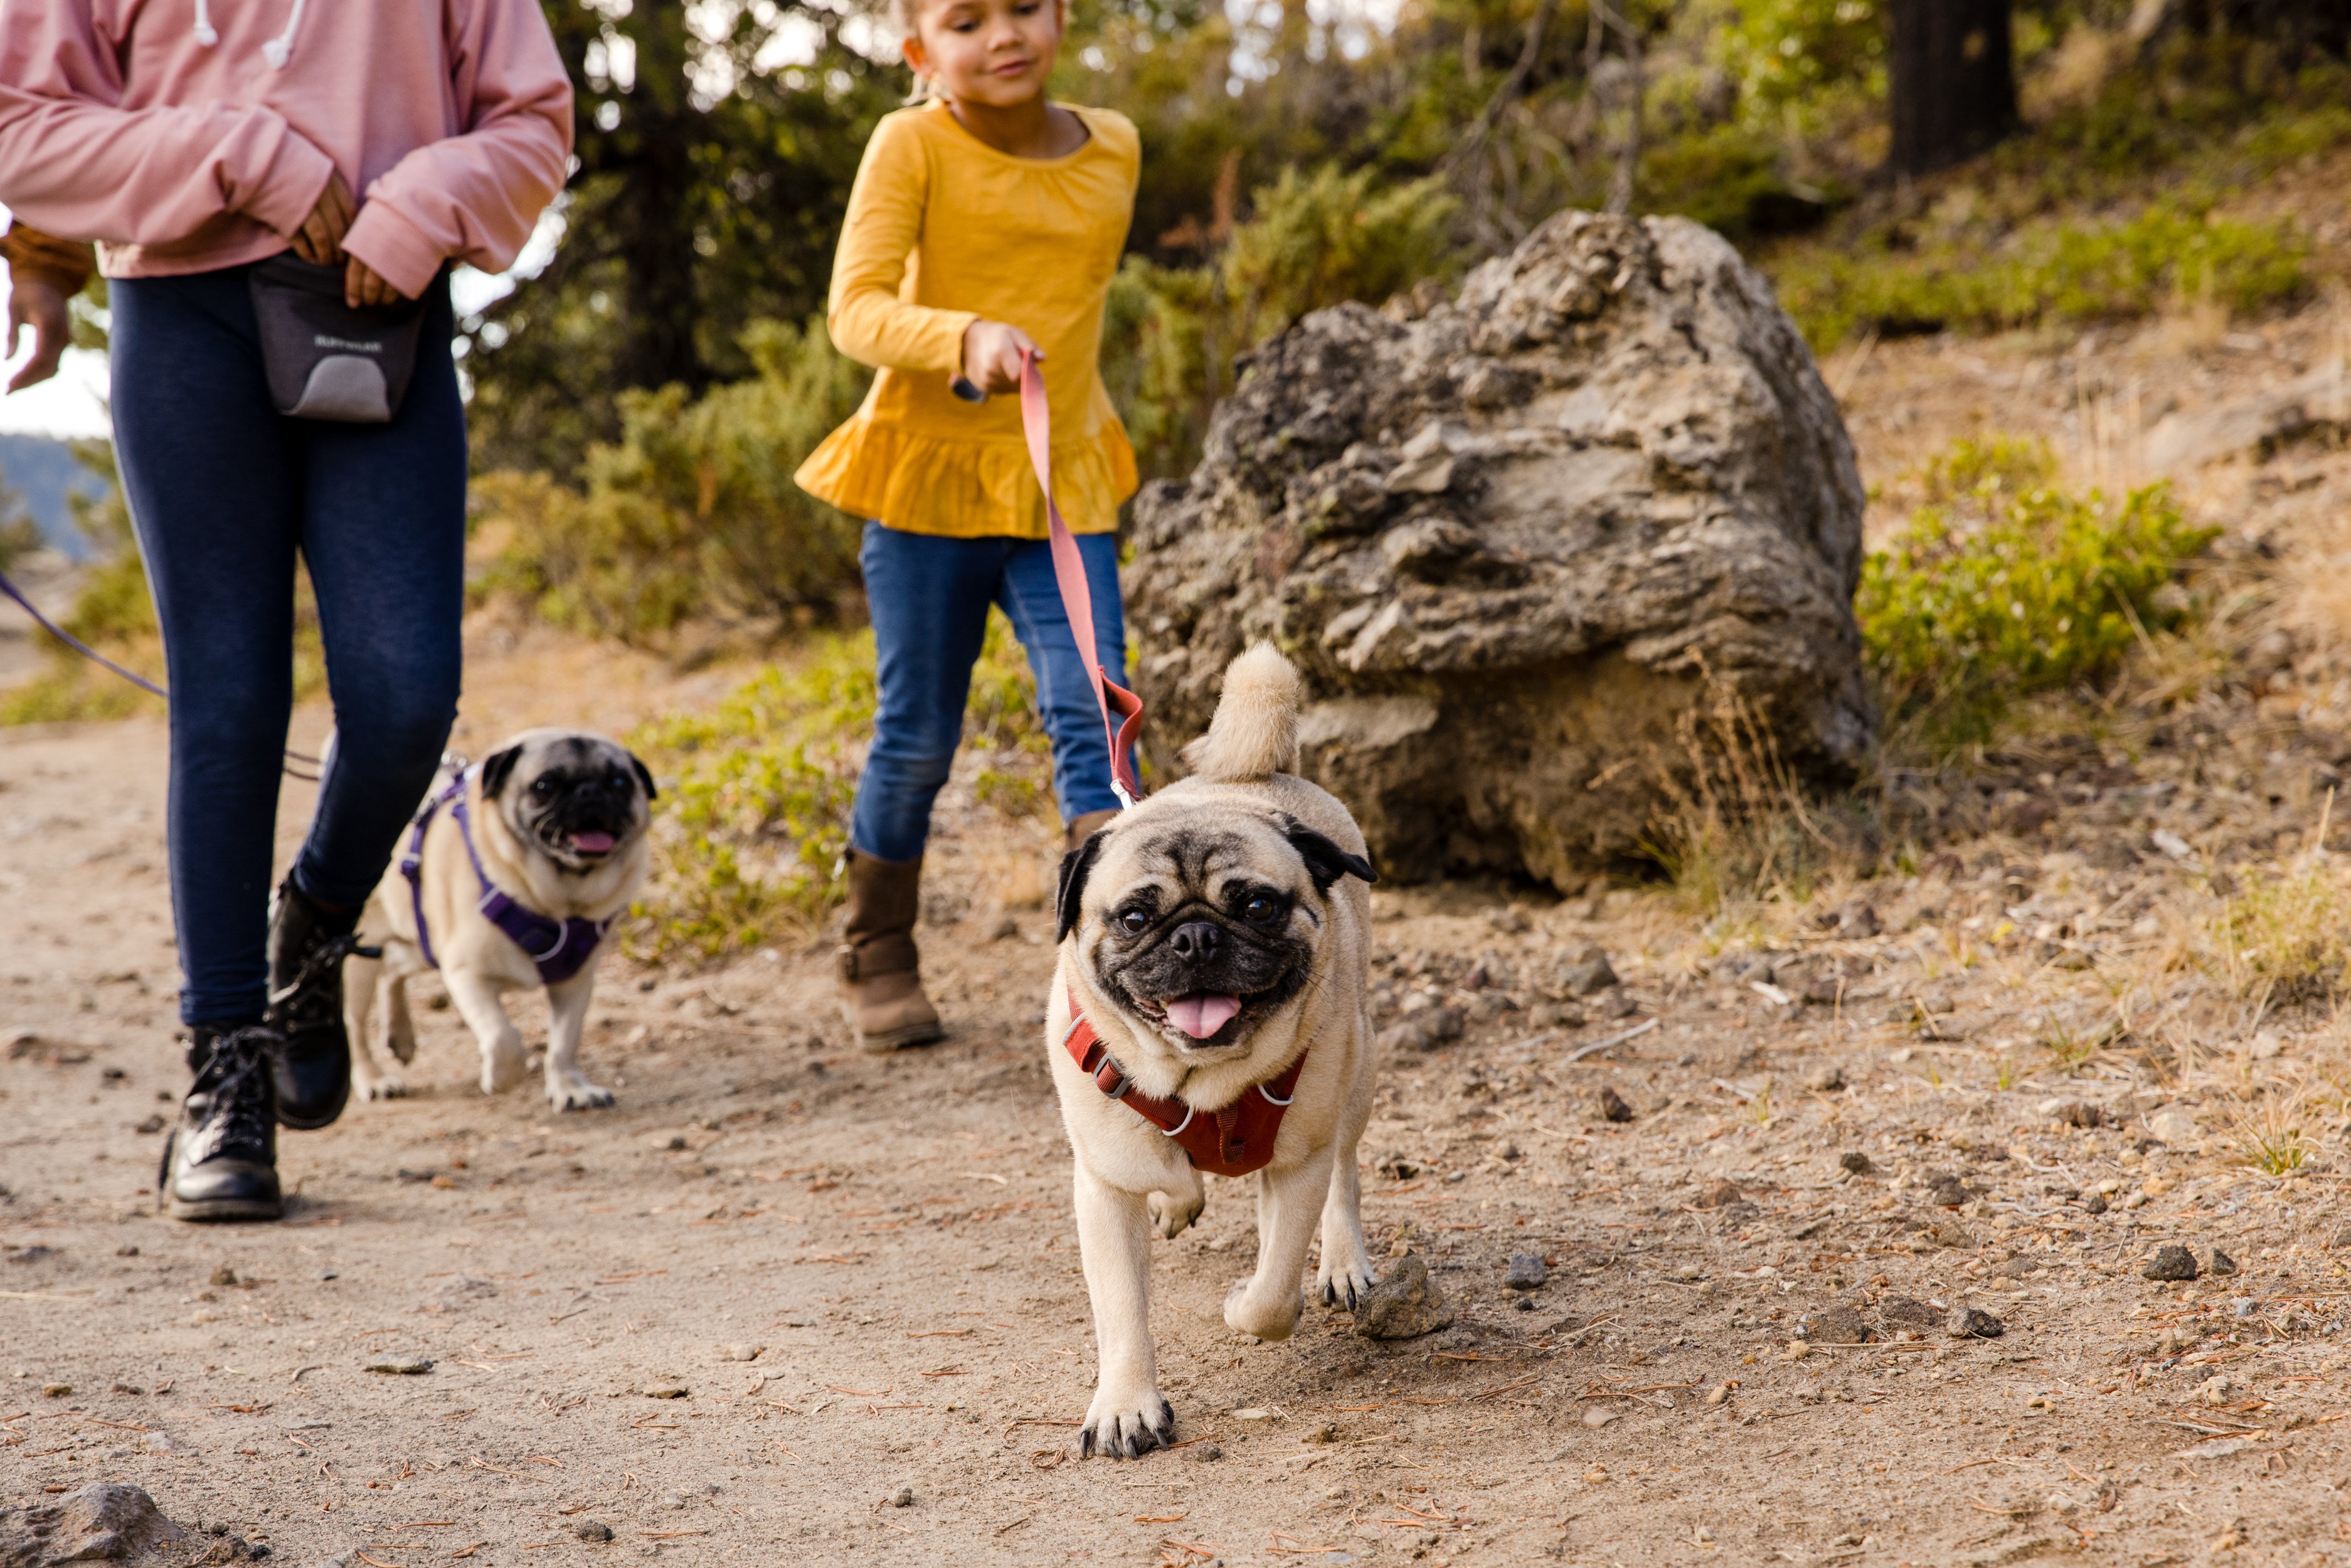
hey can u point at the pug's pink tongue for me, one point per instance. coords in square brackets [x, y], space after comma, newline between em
[1201, 1017]
[593, 843]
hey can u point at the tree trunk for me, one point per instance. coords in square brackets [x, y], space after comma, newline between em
[1951, 81]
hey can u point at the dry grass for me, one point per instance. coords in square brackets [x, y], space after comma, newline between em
[1734, 824]
[2269, 1133]
[2281, 938]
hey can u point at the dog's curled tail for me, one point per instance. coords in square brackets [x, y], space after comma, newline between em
[1254, 731]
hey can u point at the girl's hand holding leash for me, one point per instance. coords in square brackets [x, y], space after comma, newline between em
[992, 352]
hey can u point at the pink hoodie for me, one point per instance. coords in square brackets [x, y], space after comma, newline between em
[189, 135]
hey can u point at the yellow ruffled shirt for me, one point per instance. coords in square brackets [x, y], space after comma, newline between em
[944, 230]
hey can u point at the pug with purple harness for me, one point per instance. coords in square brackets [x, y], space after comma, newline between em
[513, 877]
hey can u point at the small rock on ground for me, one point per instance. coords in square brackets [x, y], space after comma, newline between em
[592, 1530]
[1856, 920]
[2219, 1262]
[1720, 1193]
[1612, 1106]
[1973, 1322]
[1526, 1272]
[401, 1363]
[1405, 1305]
[1856, 1162]
[1947, 1191]
[2171, 1263]
[1588, 975]
[1424, 1031]
[1897, 1314]
[1834, 1326]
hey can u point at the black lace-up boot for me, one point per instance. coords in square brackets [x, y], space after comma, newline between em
[220, 1161]
[307, 945]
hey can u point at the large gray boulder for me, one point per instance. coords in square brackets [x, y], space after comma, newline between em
[1524, 548]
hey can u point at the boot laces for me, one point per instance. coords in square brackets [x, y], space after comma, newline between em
[311, 1001]
[240, 1109]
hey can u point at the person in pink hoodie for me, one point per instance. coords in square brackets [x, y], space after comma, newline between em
[198, 143]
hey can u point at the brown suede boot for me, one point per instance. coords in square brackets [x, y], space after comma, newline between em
[881, 983]
[1085, 827]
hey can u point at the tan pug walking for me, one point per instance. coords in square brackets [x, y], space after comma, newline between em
[1208, 1013]
[514, 877]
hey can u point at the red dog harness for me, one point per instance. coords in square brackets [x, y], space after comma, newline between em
[1232, 1142]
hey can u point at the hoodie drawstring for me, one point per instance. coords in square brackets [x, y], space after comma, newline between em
[276, 51]
[280, 49]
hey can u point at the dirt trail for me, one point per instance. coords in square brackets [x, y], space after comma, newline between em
[892, 1236]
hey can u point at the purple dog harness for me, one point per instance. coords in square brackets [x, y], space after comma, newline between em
[557, 948]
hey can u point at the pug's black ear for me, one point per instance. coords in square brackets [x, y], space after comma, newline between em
[1326, 862]
[1076, 866]
[644, 776]
[497, 768]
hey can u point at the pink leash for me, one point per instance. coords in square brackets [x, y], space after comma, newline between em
[1122, 726]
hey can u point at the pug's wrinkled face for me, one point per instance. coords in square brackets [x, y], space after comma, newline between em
[577, 797]
[1204, 925]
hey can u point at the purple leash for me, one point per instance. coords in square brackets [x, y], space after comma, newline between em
[141, 681]
[76, 643]
[557, 949]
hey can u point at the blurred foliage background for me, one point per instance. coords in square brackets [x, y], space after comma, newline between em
[639, 403]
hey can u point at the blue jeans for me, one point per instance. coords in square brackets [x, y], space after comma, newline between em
[929, 597]
[224, 492]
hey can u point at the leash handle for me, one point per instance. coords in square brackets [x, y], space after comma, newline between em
[76, 643]
[1121, 710]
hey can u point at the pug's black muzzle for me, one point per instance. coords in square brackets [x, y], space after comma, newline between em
[588, 820]
[1198, 955]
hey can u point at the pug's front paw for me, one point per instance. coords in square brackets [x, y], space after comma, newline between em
[1172, 1216]
[504, 1065]
[1126, 1424]
[572, 1092]
[1342, 1280]
[390, 1086]
[1270, 1315]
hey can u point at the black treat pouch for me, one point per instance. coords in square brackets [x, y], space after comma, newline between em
[326, 360]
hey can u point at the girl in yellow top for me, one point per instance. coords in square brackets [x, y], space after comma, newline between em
[984, 223]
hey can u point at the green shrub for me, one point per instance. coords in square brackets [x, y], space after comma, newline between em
[2065, 272]
[694, 511]
[1794, 53]
[1171, 332]
[2002, 587]
[753, 813]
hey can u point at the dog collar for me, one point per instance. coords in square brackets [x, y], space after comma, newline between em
[557, 949]
[1232, 1142]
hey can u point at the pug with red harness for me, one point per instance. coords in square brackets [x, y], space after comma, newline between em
[1208, 1014]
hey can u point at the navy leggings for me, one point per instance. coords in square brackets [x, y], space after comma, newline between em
[224, 492]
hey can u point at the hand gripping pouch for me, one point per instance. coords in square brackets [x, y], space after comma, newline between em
[325, 359]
